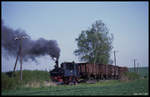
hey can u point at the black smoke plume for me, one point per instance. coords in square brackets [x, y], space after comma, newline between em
[30, 48]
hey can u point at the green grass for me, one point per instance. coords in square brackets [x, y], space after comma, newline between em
[111, 87]
[13, 86]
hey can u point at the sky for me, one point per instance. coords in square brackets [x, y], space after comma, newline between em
[64, 21]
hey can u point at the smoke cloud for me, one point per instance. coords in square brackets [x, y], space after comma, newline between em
[30, 48]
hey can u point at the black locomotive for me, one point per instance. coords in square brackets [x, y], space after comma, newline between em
[67, 73]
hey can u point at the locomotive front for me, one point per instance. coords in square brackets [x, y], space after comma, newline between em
[67, 73]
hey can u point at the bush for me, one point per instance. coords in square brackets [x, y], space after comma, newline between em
[129, 76]
[8, 82]
[13, 82]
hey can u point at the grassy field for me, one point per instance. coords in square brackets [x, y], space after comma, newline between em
[31, 85]
[111, 87]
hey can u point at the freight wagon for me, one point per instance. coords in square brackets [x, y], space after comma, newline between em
[71, 72]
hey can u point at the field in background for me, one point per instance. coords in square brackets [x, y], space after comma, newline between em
[38, 83]
[143, 71]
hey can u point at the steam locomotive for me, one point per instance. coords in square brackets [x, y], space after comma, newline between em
[71, 72]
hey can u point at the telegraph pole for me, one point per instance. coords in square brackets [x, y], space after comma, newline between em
[115, 57]
[19, 54]
[134, 65]
[115, 63]
[138, 68]
[20, 59]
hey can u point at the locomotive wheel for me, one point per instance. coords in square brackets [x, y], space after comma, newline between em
[66, 80]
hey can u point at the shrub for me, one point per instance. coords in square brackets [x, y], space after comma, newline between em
[129, 76]
[8, 82]
[13, 82]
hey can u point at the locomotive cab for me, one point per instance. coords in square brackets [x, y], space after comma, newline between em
[71, 73]
[70, 69]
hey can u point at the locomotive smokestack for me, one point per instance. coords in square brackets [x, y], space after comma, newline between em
[56, 62]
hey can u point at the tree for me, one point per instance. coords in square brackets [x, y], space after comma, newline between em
[95, 44]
